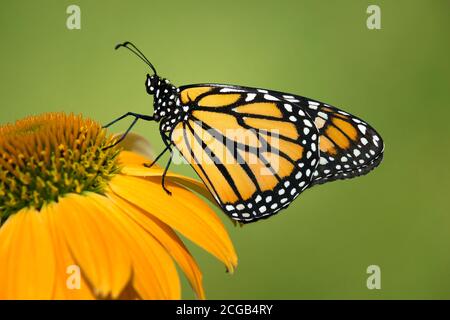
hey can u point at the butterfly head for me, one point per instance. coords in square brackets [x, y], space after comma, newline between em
[164, 95]
[152, 84]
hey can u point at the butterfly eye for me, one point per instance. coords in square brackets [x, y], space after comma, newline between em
[150, 84]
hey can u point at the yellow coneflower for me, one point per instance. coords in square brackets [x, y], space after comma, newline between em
[69, 207]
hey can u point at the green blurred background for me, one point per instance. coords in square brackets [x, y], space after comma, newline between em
[396, 78]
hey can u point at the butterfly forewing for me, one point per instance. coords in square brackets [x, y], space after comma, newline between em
[255, 152]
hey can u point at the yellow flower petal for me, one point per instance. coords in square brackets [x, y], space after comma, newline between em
[152, 265]
[183, 211]
[27, 262]
[133, 166]
[132, 158]
[63, 260]
[68, 234]
[95, 243]
[168, 238]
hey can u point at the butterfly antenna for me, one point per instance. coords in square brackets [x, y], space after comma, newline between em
[130, 46]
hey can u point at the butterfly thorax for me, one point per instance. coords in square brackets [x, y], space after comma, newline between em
[166, 102]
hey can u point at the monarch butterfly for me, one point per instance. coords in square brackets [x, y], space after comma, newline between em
[313, 142]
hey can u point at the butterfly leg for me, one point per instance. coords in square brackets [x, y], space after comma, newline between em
[168, 144]
[166, 141]
[149, 165]
[165, 172]
[136, 116]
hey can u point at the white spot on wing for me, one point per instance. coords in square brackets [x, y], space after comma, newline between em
[362, 128]
[250, 97]
[230, 90]
[307, 122]
[270, 98]
[323, 115]
[364, 141]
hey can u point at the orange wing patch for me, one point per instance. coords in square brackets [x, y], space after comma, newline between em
[244, 184]
[327, 146]
[219, 121]
[283, 128]
[266, 180]
[261, 109]
[191, 94]
[207, 170]
[227, 125]
[346, 127]
[218, 100]
[292, 150]
[280, 165]
[338, 137]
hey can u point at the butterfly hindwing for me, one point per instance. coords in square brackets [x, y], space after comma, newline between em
[255, 152]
